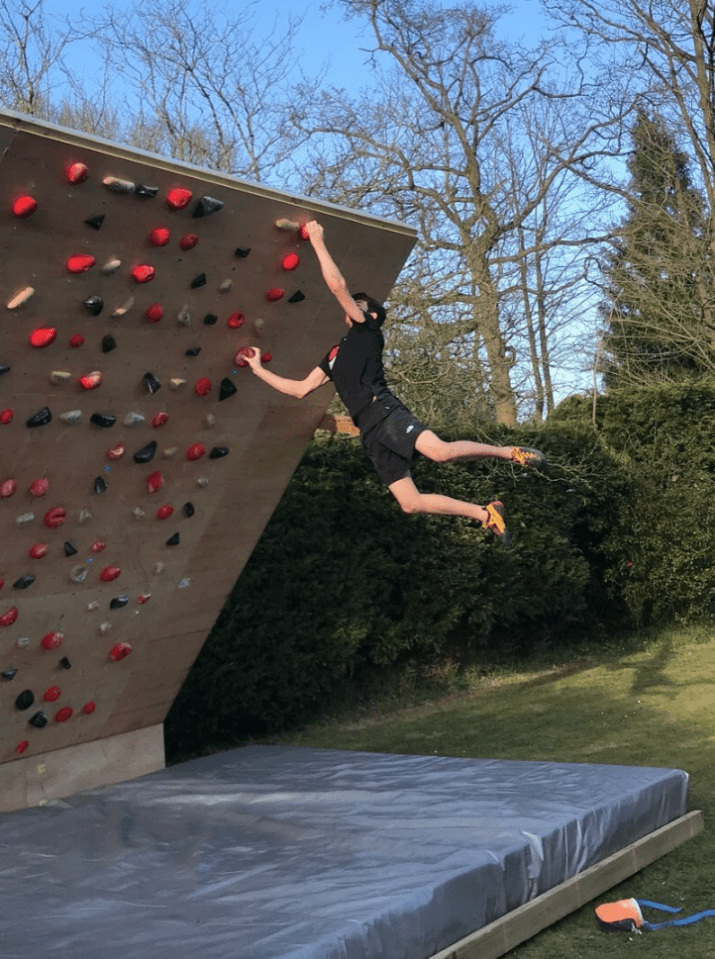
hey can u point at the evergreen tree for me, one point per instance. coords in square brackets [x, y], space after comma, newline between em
[658, 315]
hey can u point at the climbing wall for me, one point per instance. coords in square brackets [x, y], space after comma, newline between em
[140, 459]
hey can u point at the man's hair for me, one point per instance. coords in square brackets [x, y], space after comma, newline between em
[373, 307]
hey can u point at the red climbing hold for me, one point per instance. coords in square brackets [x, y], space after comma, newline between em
[304, 235]
[120, 652]
[52, 640]
[90, 381]
[39, 551]
[240, 357]
[21, 747]
[189, 241]
[40, 487]
[6, 417]
[52, 694]
[164, 512]
[110, 573]
[76, 341]
[89, 708]
[154, 482]
[8, 488]
[8, 618]
[159, 236]
[290, 261]
[266, 357]
[143, 598]
[117, 452]
[154, 312]
[203, 386]
[236, 320]
[80, 263]
[55, 517]
[160, 419]
[178, 197]
[195, 452]
[42, 337]
[23, 206]
[275, 294]
[63, 714]
[76, 172]
[143, 273]
[98, 546]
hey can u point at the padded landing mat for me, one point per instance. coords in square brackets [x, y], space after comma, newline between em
[288, 853]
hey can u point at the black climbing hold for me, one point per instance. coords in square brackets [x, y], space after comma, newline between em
[25, 700]
[119, 602]
[242, 252]
[146, 453]
[8, 674]
[24, 582]
[39, 720]
[173, 540]
[99, 485]
[105, 420]
[6, 369]
[95, 221]
[218, 452]
[227, 389]
[194, 351]
[41, 418]
[297, 297]
[210, 319]
[94, 305]
[206, 206]
[147, 192]
[65, 663]
[70, 549]
[198, 281]
[108, 343]
[189, 510]
[151, 382]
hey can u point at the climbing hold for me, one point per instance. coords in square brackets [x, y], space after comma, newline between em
[23, 582]
[178, 197]
[154, 312]
[195, 452]
[290, 261]
[42, 337]
[39, 551]
[173, 540]
[151, 383]
[155, 482]
[111, 266]
[99, 485]
[170, 452]
[283, 224]
[143, 273]
[159, 236]
[39, 720]
[184, 315]
[4, 368]
[94, 306]
[117, 185]
[52, 694]
[65, 663]
[22, 296]
[124, 308]
[89, 708]
[23, 206]
[95, 221]
[225, 286]
[206, 206]
[202, 481]
[203, 386]
[116, 452]
[71, 417]
[119, 652]
[146, 192]
[266, 357]
[297, 297]
[198, 281]
[119, 602]
[22, 747]
[8, 488]
[210, 319]
[227, 389]
[176, 383]
[110, 573]
[164, 512]
[105, 628]
[58, 377]
[218, 452]
[76, 341]
[70, 549]
[133, 419]
[189, 241]
[25, 700]
[240, 357]
[105, 420]
[275, 294]
[143, 598]
[90, 381]
[39, 487]
[189, 510]
[80, 263]
[259, 326]
[146, 453]
[139, 513]
[210, 420]
[242, 252]
[55, 517]
[41, 418]
[6, 417]
[84, 516]
[52, 640]
[161, 419]
[63, 714]
[9, 617]
[194, 351]
[236, 320]
[8, 674]
[108, 343]
[23, 642]
[76, 172]
[78, 574]
[25, 520]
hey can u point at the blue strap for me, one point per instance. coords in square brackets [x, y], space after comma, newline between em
[684, 921]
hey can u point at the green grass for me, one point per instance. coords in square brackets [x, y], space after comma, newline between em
[651, 706]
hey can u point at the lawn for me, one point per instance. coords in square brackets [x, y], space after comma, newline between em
[651, 706]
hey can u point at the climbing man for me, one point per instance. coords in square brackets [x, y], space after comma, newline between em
[389, 432]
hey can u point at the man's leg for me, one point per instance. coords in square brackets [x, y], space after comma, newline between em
[412, 501]
[431, 446]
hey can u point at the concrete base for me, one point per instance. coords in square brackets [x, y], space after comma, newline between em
[38, 779]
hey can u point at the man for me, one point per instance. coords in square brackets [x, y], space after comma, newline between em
[389, 432]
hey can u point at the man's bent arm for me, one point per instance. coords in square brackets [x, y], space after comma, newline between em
[297, 388]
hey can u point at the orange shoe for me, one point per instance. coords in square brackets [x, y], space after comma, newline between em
[526, 456]
[495, 522]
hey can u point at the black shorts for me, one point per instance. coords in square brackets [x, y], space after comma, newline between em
[390, 444]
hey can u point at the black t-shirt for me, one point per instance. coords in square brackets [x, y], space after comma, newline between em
[355, 366]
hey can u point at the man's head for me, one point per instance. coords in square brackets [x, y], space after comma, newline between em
[375, 311]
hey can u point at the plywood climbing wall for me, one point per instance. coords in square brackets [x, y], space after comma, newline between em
[139, 461]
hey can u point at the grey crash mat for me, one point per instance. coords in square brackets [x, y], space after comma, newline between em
[287, 853]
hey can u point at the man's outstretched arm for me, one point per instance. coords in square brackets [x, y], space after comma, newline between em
[334, 279]
[297, 388]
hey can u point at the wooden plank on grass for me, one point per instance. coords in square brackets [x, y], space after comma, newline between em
[504, 934]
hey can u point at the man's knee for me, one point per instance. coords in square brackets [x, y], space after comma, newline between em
[431, 446]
